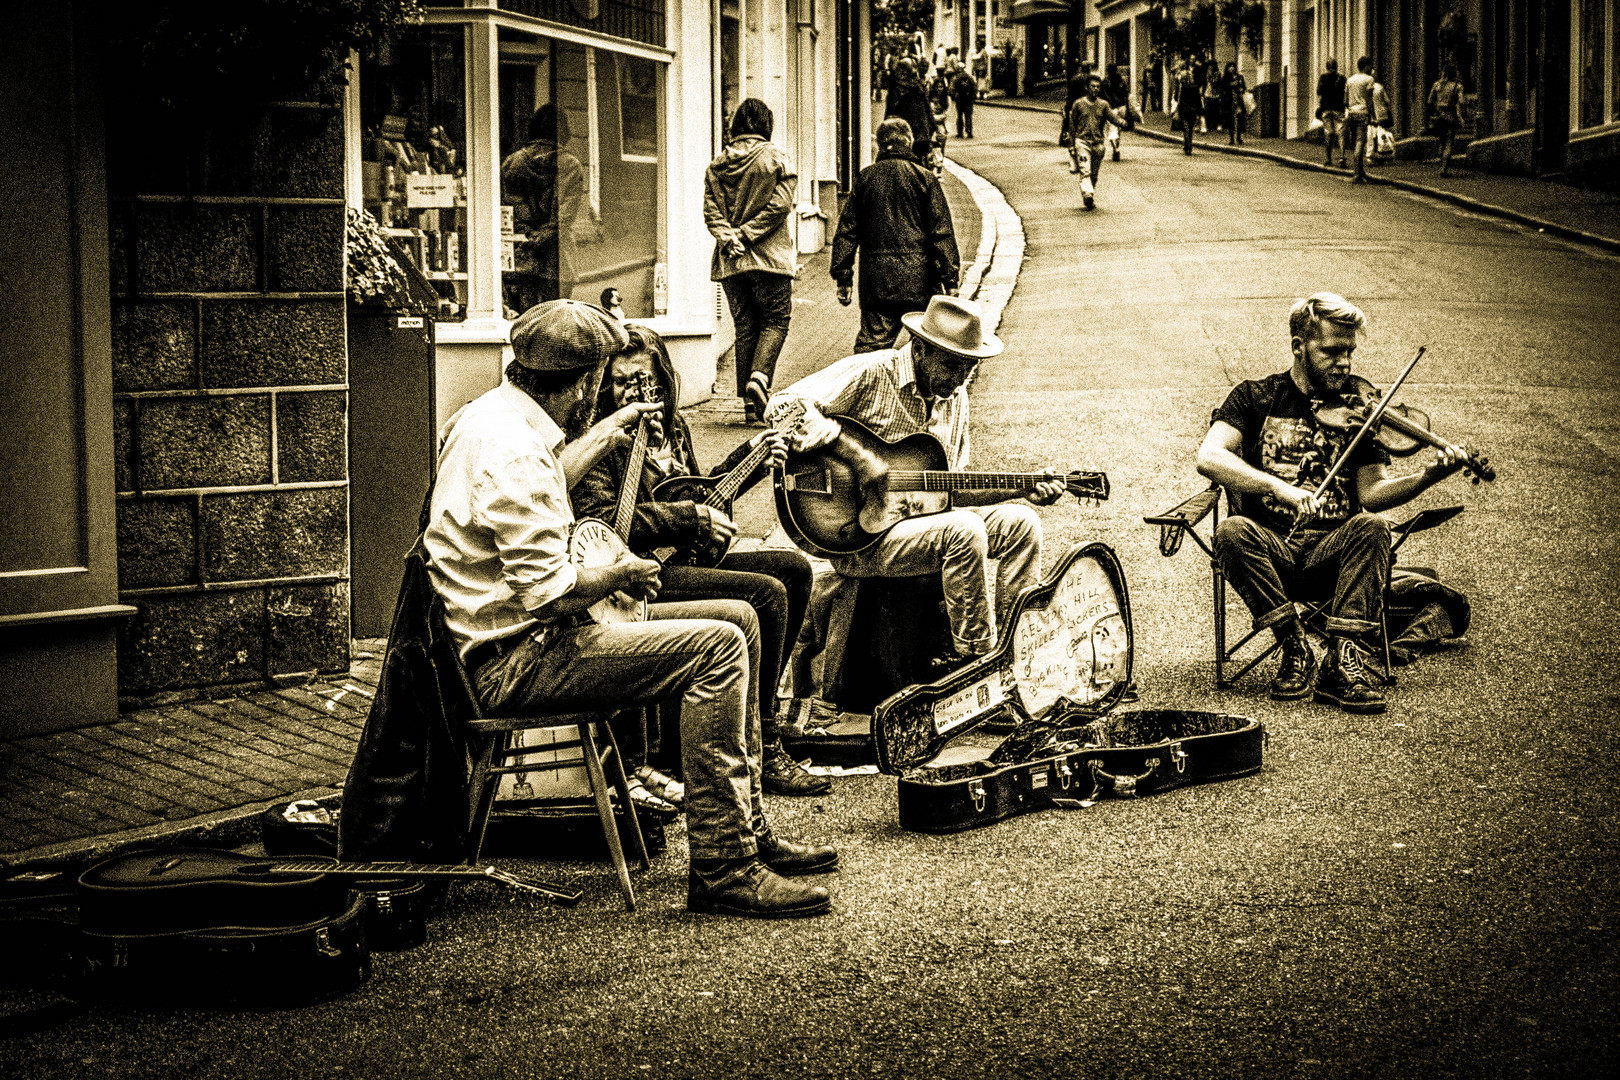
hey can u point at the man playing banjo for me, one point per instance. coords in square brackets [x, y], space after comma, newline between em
[498, 548]
[1266, 447]
[922, 387]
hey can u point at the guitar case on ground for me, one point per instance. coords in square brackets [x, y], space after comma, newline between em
[1058, 676]
[168, 927]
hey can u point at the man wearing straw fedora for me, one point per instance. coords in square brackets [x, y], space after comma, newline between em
[922, 387]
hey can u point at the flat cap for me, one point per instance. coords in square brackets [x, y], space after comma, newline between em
[566, 335]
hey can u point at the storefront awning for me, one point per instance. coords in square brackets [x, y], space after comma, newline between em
[1024, 11]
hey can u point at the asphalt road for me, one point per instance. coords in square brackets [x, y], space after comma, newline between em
[1428, 892]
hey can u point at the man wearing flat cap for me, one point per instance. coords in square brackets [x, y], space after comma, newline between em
[497, 542]
[922, 387]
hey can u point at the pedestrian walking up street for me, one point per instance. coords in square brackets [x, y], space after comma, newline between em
[748, 193]
[1237, 110]
[1188, 107]
[1358, 115]
[897, 219]
[963, 91]
[1445, 103]
[1330, 110]
[1118, 95]
[909, 102]
[1087, 119]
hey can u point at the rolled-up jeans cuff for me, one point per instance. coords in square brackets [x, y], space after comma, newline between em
[976, 647]
[1276, 616]
[1349, 627]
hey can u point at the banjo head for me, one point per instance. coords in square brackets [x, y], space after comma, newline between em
[594, 544]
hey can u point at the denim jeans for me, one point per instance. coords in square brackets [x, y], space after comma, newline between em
[956, 545]
[881, 325]
[1355, 141]
[1088, 159]
[1350, 564]
[761, 306]
[697, 652]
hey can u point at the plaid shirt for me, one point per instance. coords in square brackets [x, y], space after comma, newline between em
[879, 389]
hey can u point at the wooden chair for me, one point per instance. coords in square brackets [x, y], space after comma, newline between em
[493, 754]
[1178, 523]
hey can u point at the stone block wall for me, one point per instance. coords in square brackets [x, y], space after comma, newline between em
[231, 396]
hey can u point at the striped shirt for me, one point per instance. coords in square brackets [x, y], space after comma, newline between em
[879, 390]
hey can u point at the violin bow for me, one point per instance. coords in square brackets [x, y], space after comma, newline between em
[1367, 425]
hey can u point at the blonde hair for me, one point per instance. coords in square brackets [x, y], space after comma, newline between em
[1306, 317]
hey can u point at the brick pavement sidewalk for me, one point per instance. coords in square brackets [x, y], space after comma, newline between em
[1576, 213]
[201, 771]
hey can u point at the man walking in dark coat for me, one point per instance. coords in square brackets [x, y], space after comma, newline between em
[897, 217]
[908, 101]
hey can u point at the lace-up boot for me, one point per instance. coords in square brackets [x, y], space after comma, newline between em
[1344, 681]
[1296, 671]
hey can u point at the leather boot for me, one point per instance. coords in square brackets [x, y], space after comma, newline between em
[779, 774]
[794, 858]
[1297, 669]
[1344, 681]
[749, 888]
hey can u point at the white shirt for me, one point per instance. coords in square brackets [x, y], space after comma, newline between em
[499, 520]
[1358, 93]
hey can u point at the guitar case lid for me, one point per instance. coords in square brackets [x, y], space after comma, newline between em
[1069, 654]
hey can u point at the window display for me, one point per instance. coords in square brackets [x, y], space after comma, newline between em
[580, 147]
[413, 170]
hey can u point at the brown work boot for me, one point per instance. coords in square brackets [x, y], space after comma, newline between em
[749, 888]
[1344, 681]
[1296, 671]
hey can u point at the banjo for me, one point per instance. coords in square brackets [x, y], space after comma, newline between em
[594, 544]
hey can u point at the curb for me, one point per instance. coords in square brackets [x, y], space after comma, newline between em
[1553, 228]
[223, 828]
[994, 273]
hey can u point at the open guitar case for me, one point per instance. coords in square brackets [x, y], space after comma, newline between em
[1058, 677]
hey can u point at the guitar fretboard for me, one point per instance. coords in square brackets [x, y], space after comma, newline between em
[934, 480]
[382, 869]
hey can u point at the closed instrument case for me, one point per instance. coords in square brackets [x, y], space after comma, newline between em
[1058, 677]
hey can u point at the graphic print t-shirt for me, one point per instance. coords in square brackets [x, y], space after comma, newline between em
[1281, 437]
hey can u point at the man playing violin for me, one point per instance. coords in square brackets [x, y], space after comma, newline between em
[498, 554]
[922, 387]
[774, 582]
[1267, 447]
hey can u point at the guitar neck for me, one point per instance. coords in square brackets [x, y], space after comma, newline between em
[386, 869]
[624, 513]
[936, 480]
[726, 490]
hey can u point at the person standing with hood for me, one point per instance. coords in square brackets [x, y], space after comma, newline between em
[908, 102]
[896, 216]
[748, 193]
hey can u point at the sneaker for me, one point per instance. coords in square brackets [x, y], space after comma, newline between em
[779, 774]
[1090, 202]
[1344, 681]
[1116, 155]
[756, 396]
[749, 888]
[1297, 669]
[793, 858]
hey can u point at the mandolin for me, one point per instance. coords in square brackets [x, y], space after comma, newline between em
[593, 544]
[719, 493]
[841, 498]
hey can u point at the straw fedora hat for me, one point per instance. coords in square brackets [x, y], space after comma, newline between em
[957, 326]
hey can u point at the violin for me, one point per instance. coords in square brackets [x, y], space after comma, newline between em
[1402, 430]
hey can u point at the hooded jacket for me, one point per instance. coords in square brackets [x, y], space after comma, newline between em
[748, 192]
[654, 524]
[896, 216]
[908, 102]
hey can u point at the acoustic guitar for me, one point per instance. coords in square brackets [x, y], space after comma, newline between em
[719, 493]
[594, 544]
[841, 498]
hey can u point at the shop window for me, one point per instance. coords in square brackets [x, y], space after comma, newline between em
[581, 150]
[413, 169]
[1590, 66]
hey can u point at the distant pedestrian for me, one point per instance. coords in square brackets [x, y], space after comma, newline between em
[1330, 110]
[980, 63]
[909, 102]
[1445, 98]
[1212, 99]
[1189, 106]
[1088, 118]
[1237, 87]
[963, 91]
[1118, 95]
[748, 192]
[897, 219]
[1357, 115]
[939, 107]
[1380, 140]
[1150, 89]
